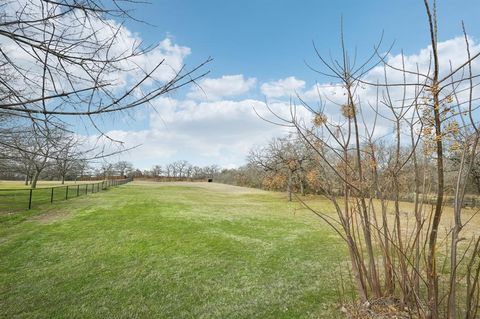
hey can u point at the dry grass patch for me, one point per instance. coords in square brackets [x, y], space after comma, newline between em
[51, 217]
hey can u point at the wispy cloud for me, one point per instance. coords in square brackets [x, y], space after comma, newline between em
[283, 87]
[214, 89]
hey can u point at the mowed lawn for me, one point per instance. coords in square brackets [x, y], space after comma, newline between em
[153, 250]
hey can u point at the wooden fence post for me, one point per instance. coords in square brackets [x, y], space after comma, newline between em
[30, 199]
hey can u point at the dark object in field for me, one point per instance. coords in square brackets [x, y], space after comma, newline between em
[210, 180]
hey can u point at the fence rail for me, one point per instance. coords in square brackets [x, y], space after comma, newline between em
[21, 198]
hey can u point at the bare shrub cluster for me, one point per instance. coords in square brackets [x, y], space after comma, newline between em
[399, 251]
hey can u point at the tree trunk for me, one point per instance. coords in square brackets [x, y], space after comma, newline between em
[34, 180]
[477, 183]
[367, 233]
[432, 278]
[289, 186]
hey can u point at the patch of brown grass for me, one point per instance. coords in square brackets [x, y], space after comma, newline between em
[382, 308]
[51, 217]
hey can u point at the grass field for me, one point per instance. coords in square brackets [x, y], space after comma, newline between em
[151, 250]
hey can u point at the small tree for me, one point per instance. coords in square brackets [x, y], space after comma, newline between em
[285, 161]
[123, 168]
[67, 157]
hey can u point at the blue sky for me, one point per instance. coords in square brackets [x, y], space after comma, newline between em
[270, 39]
[257, 45]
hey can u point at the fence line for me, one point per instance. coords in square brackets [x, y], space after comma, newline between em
[19, 199]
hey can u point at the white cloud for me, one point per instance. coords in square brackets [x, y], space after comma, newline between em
[222, 131]
[213, 89]
[204, 133]
[452, 54]
[172, 54]
[330, 93]
[283, 87]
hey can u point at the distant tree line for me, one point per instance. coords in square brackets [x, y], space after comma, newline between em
[290, 164]
[180, 170]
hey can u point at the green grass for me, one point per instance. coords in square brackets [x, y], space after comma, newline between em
[169, 251]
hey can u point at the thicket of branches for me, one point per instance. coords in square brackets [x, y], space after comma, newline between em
[396, 251]
[31, 154]
[67, 64]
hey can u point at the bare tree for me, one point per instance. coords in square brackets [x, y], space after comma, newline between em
[123, 168]
[67, 156]
[107, 170]
[74, 58]
[285, 160]
[156, 170]
[35, 150]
